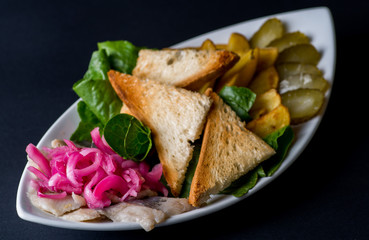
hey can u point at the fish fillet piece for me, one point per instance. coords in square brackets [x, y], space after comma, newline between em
[170, 206]
[81, 215]
[132, 213]
[57, 206]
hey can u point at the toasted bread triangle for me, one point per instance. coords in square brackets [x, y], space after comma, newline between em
[187, 68]
[228, 151]
[175, 116]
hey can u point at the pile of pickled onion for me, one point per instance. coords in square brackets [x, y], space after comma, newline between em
[98, 174]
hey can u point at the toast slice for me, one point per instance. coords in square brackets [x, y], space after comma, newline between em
[228, 151]
[187, 68]
[175, 116]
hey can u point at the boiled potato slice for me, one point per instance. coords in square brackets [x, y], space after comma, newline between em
[267, 58]
[271, 29]
[303, 104]
[270, 122]
[265, 103]
[303, 80]
[265, 80]
[208, 45]
[286, 69]
[247, 73]
[242, 72]
[238, 43]
[289, 40]
[302, 53]
[207, 85]
[221, 46]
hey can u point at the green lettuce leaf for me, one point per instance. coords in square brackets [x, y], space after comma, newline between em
[240, 99]
[280, 140]
[122, 55]
[95, 89]
[88, 122]
[100, 98]
[98, 67]
[128, 137]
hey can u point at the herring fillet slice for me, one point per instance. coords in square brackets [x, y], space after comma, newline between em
[170, 206]
[56, 206]
[126, 212]
[82, 215]
[175, 116]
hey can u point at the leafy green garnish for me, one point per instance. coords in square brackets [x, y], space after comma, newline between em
[95, 89]
[185, 192]
[88, 122]
[240, 99]
[242, 185]
[122, 55]
[280, 140]
[98, 67]
[100, 98]
[128, 137]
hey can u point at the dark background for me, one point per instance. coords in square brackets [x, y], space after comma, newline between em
[45, 47]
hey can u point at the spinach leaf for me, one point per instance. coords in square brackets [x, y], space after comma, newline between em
[122, 55]
[280, 140]
[185, 192]
[88, 122]
[240, 99]
[128, 137]
[243, 184]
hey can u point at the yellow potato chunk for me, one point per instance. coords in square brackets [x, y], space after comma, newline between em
[242, 72]
[208, 45]
[270, 122]
[267, 58]
[265, 80]
[264, 103]
[238, 43]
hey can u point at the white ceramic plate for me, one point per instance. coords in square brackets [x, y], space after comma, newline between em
[317, 23]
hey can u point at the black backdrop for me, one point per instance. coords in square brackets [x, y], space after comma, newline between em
[45, 47]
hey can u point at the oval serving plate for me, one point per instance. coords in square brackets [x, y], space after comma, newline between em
[316, 23]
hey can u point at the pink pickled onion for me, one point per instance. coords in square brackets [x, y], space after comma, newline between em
[70, 170]
[99, 174]
[39, 159]
[71, 145]
[100, 144]
[92, 202]
[91, 168]
[38, 173]
[113, 182]
[60, 182]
